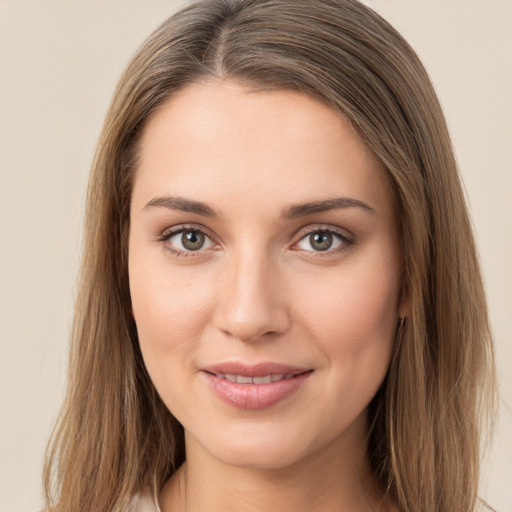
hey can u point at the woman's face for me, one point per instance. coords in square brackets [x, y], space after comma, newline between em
[265, 273]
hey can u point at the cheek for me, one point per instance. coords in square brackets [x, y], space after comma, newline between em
[170, 312]
[353, 318]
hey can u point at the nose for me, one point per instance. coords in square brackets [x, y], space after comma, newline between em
[252, 300]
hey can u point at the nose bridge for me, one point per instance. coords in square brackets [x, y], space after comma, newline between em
[251, 305]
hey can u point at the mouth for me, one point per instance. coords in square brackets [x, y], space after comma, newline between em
[255, 386]
[264, 379]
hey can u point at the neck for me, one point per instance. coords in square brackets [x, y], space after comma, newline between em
[336, 478]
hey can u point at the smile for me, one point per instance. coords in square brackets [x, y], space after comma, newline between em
[244, 379]
[254, 387]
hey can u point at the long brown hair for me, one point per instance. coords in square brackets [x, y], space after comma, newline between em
[115, 436]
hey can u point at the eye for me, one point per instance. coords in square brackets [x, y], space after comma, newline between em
[323, 240]
[184, 241]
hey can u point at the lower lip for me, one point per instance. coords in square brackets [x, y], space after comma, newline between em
[255, 396]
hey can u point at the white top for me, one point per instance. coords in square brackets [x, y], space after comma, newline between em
[145, 503]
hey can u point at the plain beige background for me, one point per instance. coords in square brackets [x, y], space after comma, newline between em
[59, 61]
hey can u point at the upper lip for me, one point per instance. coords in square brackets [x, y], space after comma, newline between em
[253, 370]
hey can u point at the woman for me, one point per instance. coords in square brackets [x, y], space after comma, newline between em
[280, 303]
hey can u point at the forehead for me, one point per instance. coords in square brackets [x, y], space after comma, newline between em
[222, 141]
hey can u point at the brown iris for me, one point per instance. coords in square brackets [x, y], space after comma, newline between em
[192, 240]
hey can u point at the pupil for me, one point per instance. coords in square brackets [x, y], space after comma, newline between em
[192, 240]
[321, 241]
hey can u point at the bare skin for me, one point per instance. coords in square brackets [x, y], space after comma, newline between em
[302, 487]
[263, 231]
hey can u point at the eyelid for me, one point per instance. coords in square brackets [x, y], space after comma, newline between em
[169, 232]
[173, 230]
[347, 238]
[312, 228]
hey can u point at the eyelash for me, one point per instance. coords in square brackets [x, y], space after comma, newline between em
[345, 238]
[169, 233]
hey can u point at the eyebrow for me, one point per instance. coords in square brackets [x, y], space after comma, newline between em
[293, 211]
[182, 204]
[337, 203]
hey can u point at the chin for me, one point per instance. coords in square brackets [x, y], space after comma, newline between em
[262, 456]
[265, 446]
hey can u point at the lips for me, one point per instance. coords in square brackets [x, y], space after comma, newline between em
[253, 370]
[244, 379]
[254, 386]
